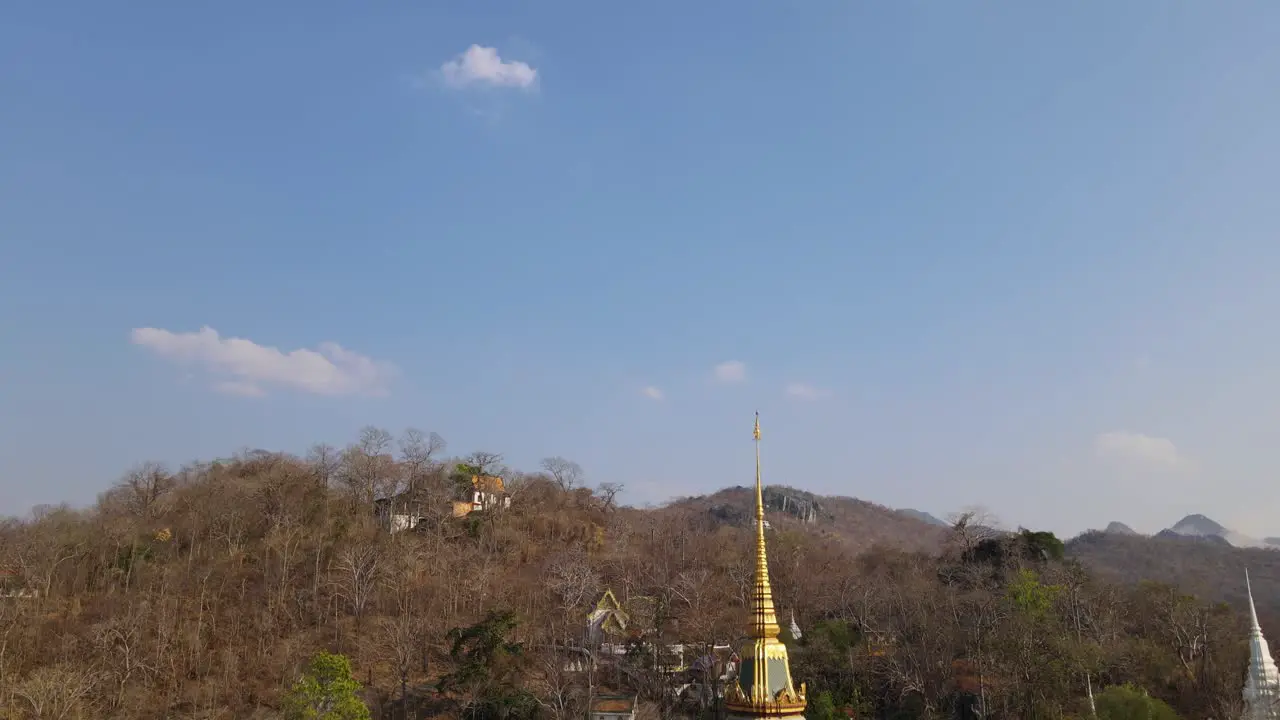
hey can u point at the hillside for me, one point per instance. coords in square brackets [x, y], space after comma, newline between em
[924, 516]
[202, 593]
[1207, 566]
[856, 525]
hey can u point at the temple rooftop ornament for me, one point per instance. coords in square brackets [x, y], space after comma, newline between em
[1262, 687]
[763, 687]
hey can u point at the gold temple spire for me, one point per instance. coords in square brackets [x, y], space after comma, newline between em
[763, 687]
[765, 618]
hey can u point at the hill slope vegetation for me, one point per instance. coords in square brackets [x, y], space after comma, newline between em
[206, 592]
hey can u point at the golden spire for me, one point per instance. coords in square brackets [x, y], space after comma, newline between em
[764, 618]
[763, 687]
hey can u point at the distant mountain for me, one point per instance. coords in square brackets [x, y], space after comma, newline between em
[1120, 528]
[1168, 534]
[924, 517]
[1205, 565]
[1199, 526]
[1272, 541]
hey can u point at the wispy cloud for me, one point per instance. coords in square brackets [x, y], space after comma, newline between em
[804, 391]
[653, 393]
[1137, 448]
[482, 66]
[243, 367]
[730, 371]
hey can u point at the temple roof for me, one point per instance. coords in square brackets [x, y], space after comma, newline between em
[614, 704]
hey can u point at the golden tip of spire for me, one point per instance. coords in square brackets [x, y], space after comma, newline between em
[756, 433]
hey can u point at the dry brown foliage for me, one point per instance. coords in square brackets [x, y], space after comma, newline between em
[200, 593]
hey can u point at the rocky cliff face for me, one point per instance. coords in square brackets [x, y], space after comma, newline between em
[802, 505]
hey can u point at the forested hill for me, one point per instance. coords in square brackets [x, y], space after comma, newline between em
[856, 525]
[203, 593]
[1206, 566]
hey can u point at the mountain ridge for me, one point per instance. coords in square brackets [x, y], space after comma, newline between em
[1197, 525]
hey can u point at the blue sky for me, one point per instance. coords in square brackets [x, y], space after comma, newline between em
[1020, 255]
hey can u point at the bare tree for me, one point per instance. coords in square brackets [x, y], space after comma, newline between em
[402, 639]
[358, 570]
[367, 466]
[483, 462]
[325, 461]
[608, 491]
[40, 555]
[56, 692]
[144, 488]
[563, 694]
[416, 451]
[121, 639]
[973, 525]
[572, 579]
[566, 473]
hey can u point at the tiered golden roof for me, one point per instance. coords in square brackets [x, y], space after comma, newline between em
[763, 687]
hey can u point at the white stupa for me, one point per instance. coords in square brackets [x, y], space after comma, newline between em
[1262, 688]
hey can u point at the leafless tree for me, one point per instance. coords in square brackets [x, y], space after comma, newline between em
[367, 466]
[39, 556]
[416, 451]
[145, 488]
[608, 492]
[56, 692]
[692, 586]
[973, 525]
[325, 461]
[562, 692]
[402, 638]
[566, 473]
[12, 617]
[121, 639]
[484, 462]
[358, 570]
[572, 579]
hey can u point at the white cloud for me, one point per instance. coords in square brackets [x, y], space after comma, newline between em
[804, 391]
[1137, 448]
[653, 393]
[245, 368]
[479, 65]
[731, 371]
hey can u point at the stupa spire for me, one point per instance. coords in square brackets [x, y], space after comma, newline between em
[764, 616]
[763, 687]
[1262, 687]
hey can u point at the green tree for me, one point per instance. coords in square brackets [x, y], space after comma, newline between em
[326, 691]
[1127, 702]
[487, 670]
[1030, 596]
[461, 476]
[822, 707]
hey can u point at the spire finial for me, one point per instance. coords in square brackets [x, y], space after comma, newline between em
[1248, 589]
[765, 623]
